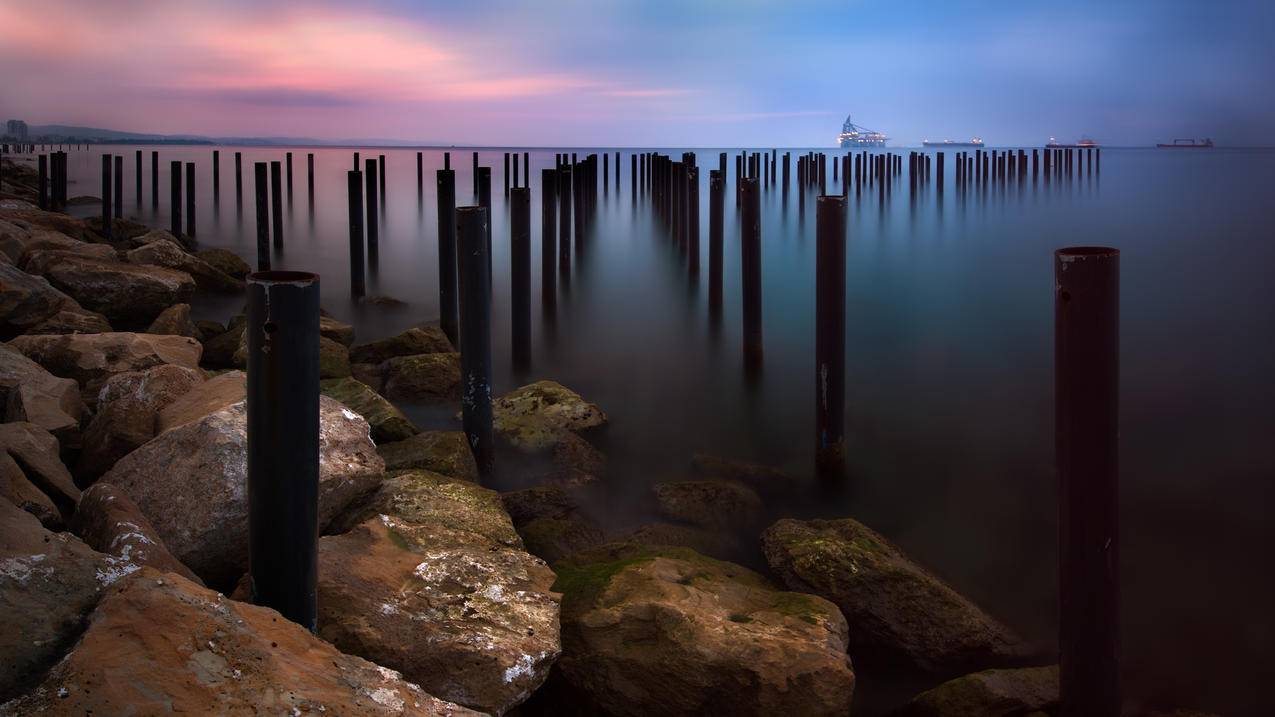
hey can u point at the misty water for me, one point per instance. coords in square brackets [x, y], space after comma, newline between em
[949, 366]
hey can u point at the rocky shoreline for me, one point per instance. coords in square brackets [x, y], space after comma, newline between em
[123, 529]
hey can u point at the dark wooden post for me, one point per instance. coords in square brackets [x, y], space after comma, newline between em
[371, 225]
[1086, 350]
[520, 272]
[190, 199]
[564, 219]
[262, 190]
[354, 187]
[484, 201]
[420, 174]
[692, 218]
[716, 201]
[276, 202]
[137, 169]
[830, 333]
[750, 240]
[549, 236]
[288, 163]
[475, 334]
[506, 182]
[238, 178]
[175, 196]
[380, 176]
[283, 443]
[216, 178]
[119, 186]
[447, 298]
[309, 177]
[42, 176]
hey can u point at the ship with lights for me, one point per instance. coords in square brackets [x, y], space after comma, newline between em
[852, 136]
[975, 142]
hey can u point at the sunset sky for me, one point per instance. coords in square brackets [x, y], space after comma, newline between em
[601, 72]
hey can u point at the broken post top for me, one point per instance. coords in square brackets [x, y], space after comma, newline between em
[270, 278]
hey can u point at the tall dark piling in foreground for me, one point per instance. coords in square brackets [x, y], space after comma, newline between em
[354, 187]
[549, 235]
[216, 178]
[42, 176]
[190, 199]
[371, 225]
[520, 272]
[238, 178]
[283, 443]
[262, 191]
[1086, 386]
[716, 202]
[447, 299]
[475, 334]
[276, 203]
[175, 196]
[119, 186]
[107, 203]
[750, 242]
[830, 334]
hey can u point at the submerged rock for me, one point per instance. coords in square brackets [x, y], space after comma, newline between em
[91, 359]
[112, 524]
[417, 340]
[535, 416]
[434, 582]
[129, 295]
[551, 522]
[896, 609]
[709, 503]
[445, 452]
[388, 423]
[720, 544]
[204, 522]
[225, 261]
[339, 332]
[990, 693]
[159, 643]
[423, 377]
[28, 392]
[766, 480]
[667, 631]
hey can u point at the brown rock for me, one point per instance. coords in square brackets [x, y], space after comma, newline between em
[208, 397]
[129, 295]
[445, 452]
[766, 480]
[159, 249]
[30, 393]
[535, 416]
[419, 340]
[73, 321]
[159, 644]
[387, 422]
[225, 261]
[35, 450]
[174, 321]
[219, 351]
[204, 522]
[990, 693]
[127, 408]
[339, 332]
[110, 523]
[15, 488]
[90, 359]
[423, 377]
[709, 503]
[717, 543]
[208, 330]
[26, 301]
[32, 219]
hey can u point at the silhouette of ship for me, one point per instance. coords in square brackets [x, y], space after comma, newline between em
[1084, 143]
[1188, 144]
[852, 135]
[975, 142]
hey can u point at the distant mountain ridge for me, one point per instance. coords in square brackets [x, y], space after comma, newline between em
[111, 135]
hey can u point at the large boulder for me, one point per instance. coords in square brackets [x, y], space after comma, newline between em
[387, 422]
[441, 552]
[208, 397]
[110, 523]
[417, 340]
[28, 392]
[174, 321]
[990, 693]
[158, 644]
[551, 521]
[48, 583]
[219, 350]
[717, 543]
[127, 408]
[649, 630]
[423, 377]
[129, 295]
[73, 321]
[35, 451]
[26, 301]
[159, 249]
[708, 503]
[225, 261]
[445, 452]
[896, 610]
[535, 416]
[31, 219]
[191, 481]
[91, 359]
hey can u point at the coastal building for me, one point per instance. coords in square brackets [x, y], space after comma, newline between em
[17, 129]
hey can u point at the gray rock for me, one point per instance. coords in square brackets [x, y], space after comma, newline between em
[423, 377]
[418, 340]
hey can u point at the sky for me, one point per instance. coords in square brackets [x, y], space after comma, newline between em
[707, 73]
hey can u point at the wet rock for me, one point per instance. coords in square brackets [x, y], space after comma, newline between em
[128, 295]
[160, 249]
[418, 340]
[445, 452]
[30, 393]
[550, 520]
[35, 451]
[219, 351]
[126, 233]
[225, 261]
[423, 377]
[110, 523]
[174, 321]
[370, 374]
[766, 480]
[573, 461]
[207, 329]
[204, 522]
[19, 243]
[716, 543]
[91, 359]
[48, 583]
[649, 630]
[387, 422]
[208, 397]
[896, 609]
[127, 408]
[441, 552]
[337, 331]
[990, 693]
[709, 503]
[158, 644]
[73, 321]
[26, 301]
[535, 416]
[384, 302]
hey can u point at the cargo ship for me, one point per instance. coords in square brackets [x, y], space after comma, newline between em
[852, 135]
[1188, 144]
[975, 142]
[1084, 143]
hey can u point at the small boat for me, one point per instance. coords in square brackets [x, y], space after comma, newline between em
[1188, 144]
[975, 142]
[1084, 143]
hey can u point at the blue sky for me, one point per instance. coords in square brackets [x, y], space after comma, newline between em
[606, 72]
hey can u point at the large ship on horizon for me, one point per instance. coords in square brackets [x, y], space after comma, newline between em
[852, 135]
[1084, 143]
[973, 142]
[1187, 144]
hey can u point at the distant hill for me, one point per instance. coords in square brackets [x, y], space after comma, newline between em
[98, 134]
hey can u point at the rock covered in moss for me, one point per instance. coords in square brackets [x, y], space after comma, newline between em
[990, 693]
[895, 608]
[535, 416]
[387, 422]
[428, 550]
[649, 630]
[766, 480]
[445, 452]
[423, 377]
[718, 543]
[158, 643]
[708, 503]
[417, 340]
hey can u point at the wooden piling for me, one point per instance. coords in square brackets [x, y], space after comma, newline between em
[119, 186]
[475, 334]
[354, 188]
[276, 203]
[262, 190]
[190, 199]
[520, 273]
[371, 225]
[175, 196]
[830, 334]
[750, 241]
[549, 235]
